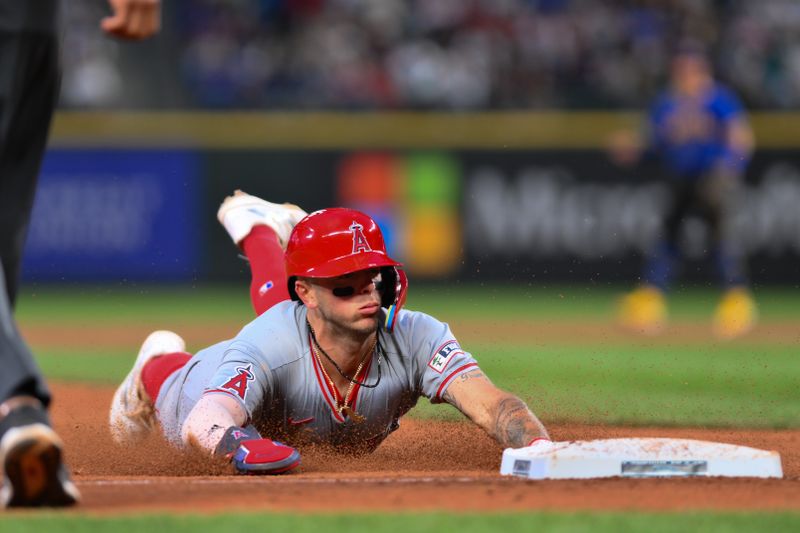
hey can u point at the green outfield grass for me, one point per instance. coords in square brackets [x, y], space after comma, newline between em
[647, 382]
[670, 385]
[640, 382]
[425, 522]
[111, 304]
[447, 302]
[608, 384]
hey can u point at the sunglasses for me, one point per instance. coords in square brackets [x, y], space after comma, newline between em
[345, 291]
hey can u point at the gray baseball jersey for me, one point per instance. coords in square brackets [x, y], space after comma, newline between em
[269, 367]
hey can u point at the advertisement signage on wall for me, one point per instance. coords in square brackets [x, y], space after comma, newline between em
[480, 215]
[576, 216]
[415, 199]
[115, 215]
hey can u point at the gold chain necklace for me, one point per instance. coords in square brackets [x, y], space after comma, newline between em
[345, 408]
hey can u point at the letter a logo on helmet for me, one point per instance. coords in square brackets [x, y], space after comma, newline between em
[360, 243]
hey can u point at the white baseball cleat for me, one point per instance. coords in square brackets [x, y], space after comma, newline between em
[241, 211]
[132, 414]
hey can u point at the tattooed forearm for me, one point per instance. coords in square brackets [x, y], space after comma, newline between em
[514, 425]
[502, 415]
[449, 398]
[471, 375]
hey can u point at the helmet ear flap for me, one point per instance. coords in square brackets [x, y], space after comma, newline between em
[395, 287]
[388, 286]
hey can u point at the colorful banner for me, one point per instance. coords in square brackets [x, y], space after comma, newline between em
[473, 215]
[415, 199]
[115, 215]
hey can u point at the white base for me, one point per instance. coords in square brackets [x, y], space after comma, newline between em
[653, 457]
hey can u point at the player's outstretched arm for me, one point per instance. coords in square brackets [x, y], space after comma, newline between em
[501, 414]
[215, 425]
[207, 422]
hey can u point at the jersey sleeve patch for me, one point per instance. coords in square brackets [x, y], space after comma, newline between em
[238, 383]
[443, 354]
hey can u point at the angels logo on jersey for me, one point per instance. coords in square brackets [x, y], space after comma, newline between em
[443, 355]
[360, 243]
[238, 384]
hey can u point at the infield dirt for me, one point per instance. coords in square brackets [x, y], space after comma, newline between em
[425, 465]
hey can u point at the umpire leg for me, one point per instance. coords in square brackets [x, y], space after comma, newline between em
[31, 452]
[29, 83]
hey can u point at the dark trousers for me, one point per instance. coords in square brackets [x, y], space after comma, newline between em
[29, 84]
[713, 197]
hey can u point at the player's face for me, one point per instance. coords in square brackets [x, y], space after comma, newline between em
[689, 73]
[352, 301]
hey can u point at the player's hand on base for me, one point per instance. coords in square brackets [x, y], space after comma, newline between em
[251, 454]
[133, 19]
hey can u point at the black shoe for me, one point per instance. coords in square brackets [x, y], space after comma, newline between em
[34, 474]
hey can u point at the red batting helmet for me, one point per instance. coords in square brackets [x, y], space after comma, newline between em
[337, 241]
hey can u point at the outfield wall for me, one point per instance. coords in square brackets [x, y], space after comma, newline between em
[527, 197]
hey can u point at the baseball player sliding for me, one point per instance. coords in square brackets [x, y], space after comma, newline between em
[331, 358]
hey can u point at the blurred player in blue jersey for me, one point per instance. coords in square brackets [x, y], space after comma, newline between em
[699, 131]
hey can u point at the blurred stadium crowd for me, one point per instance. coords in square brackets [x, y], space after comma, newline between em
[444, 54]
